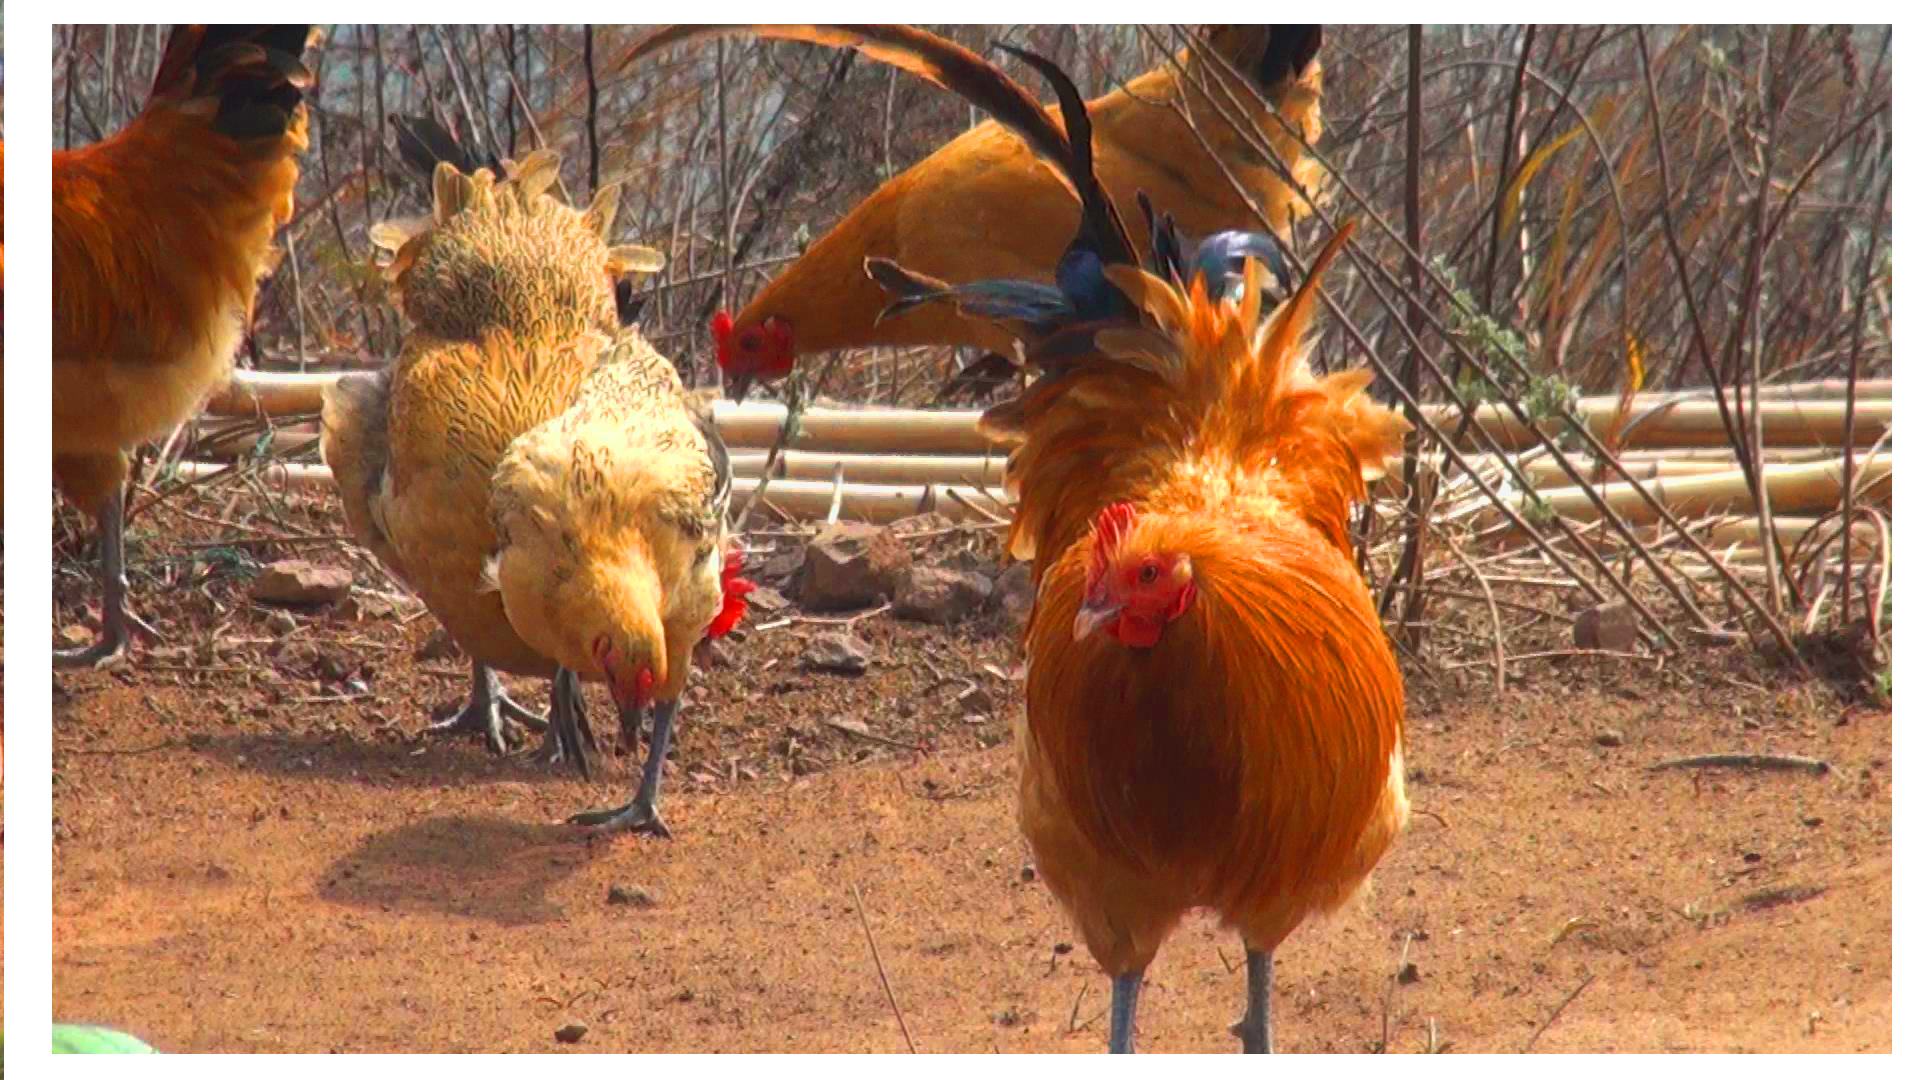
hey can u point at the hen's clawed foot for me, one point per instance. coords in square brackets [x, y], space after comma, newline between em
[112, 650]
[490, 712]
[118, 623]
[634, 817]
[640, 815]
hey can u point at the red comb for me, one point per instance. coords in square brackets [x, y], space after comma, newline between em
[723, 339]
[1114, 522]
[733, 595]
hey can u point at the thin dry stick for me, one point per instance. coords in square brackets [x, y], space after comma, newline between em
[1782, 762]
[885, 984]
[1542, 1029]
[1493, 608]
[1853, 379]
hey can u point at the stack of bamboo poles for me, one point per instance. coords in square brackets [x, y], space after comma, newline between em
[879, 464]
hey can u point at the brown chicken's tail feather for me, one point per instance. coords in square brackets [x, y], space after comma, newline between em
[1123, 393]
[250, 77]
[480, 215]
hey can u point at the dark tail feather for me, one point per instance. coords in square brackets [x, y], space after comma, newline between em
[423, 143]
[1289, 50]
[255, 72]
[1100, 229]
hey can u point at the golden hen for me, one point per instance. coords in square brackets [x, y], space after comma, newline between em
[983, 206]
[1214, 715]
[535, 470]
[160, 235]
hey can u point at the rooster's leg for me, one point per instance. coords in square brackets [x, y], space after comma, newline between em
[1126, 999]
[569, 738]
[490, 712]
[1256, 1028]
[640, 815]
[116, 622]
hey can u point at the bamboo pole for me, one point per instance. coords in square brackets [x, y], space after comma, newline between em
[1788, 421]
[804, 499]
[1808, 487]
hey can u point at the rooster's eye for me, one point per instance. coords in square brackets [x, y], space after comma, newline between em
[750, 341]
[1148, 573]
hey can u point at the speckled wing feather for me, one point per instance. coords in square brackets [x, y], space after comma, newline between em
[353, 443]
[633, 443]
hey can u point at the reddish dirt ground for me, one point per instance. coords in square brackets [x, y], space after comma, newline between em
[245, 862]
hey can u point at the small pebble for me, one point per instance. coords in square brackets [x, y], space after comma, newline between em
[1027, 872]
[1610, 737]
[633, 895]
[282, 622]
[572, 1033]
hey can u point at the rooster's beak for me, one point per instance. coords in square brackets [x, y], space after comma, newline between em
[1094, 614]
[737, 387]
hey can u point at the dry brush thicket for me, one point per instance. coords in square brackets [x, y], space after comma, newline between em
[1639, 280]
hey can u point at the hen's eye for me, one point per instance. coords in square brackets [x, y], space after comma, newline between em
[1148, 573]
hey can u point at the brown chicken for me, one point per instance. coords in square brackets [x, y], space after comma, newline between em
[983, 206]
[1213, 712]
[533, 469]
[160, 236]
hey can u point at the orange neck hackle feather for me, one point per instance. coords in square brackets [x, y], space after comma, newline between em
[1203, 388]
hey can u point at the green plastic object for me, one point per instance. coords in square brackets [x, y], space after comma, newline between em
[89, 1039]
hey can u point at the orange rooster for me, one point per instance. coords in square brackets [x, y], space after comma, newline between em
[160, 236]
[983, 206]
[1213, 712]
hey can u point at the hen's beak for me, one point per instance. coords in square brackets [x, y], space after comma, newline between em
[737, 387]
[1094, 614]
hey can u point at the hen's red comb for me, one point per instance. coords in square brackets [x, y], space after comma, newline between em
[733, 595]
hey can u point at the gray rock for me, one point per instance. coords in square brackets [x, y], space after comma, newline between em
[631, 896]
[1609, 626]
[1012, 599]
[438, 646]
[976, 700]
[282, 623]
[571, 1033]
[933, 595]
[849, 565]
[839, 653]
[299, 583]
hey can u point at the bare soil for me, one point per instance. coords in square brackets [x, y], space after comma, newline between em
[256, 850]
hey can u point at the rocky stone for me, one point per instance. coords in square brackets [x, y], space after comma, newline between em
[849, 565]
[976, 700]
[1609, 626]
[932, 595]
[631, 896]
[282, 623]
[299, 583]
[571, 1033]
[1012, 599]
[841, 654]
[438, 646]
[1610, 737]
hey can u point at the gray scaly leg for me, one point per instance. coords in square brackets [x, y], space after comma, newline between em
[1126, 1001]
[116, 622]
[640, 815]
[569, 738]
[1256, 1027]
[490, 712]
